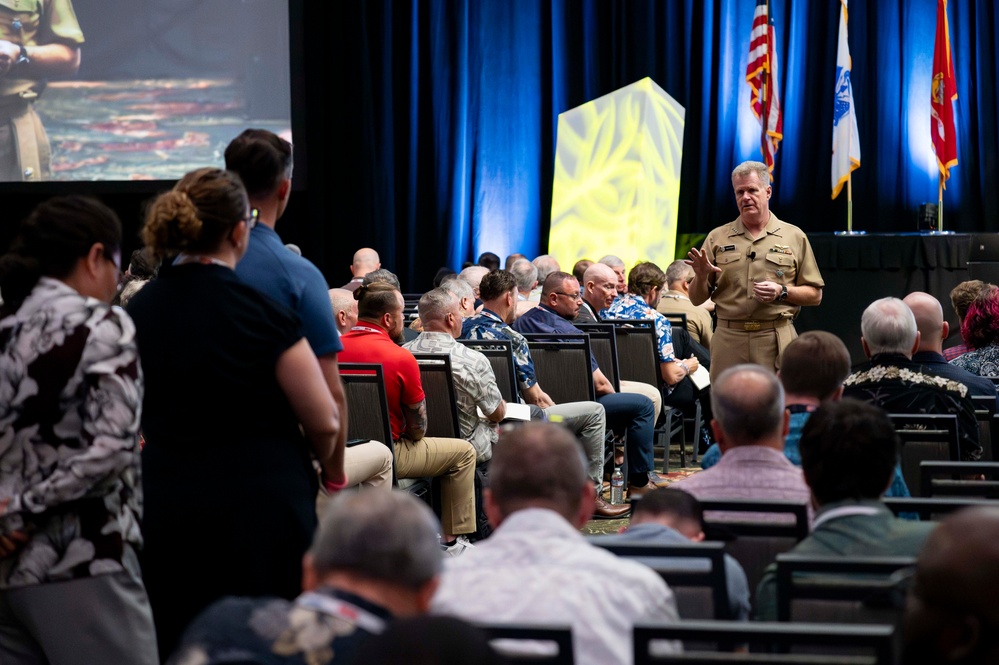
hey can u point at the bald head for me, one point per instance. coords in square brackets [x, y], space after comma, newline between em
[365, 260]
[951, 615]
[748, 406]
[928, 312]
[344, 309]
[599, 286]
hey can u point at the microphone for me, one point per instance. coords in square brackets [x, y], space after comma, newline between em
[752, 256]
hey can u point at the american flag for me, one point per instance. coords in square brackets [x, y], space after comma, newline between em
[761, 74]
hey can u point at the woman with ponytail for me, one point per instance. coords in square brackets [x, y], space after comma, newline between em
[230, 490]
[70, 397]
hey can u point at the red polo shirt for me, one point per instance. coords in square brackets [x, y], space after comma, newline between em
[369, 343]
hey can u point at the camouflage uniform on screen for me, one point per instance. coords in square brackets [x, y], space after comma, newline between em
[24, 146]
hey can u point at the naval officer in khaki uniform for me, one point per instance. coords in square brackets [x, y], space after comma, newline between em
[39, 40]
[759, 271]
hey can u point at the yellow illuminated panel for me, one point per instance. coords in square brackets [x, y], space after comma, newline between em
[617, 177]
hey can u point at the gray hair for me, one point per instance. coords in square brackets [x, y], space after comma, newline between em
[436, 304]
[888, 326]
[526, 274]
[473, 275]
[382, 275]
[759, 168]
[612, 261]
[459, 287]
[678, 271]
[748, 403]
[546, 264]
[387, 536]
[341, 300]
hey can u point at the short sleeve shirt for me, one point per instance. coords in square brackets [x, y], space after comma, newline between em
[475, 385]
[781, 254]
[634, 307]
[488, 325]
[42, 22]
[293, 281]
[369, 343]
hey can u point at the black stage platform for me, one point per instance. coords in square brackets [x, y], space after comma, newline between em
[860, 269]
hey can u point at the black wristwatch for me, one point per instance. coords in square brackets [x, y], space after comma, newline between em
[783, 293]
[23, 59]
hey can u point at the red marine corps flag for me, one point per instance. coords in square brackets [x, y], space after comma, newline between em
[761, 74]
[943, 94]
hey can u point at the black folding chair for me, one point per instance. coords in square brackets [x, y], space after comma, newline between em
[540, 644]
[441, 400]
[937, 479]
[925, 437]
[500, 356]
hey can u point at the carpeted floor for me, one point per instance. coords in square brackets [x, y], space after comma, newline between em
[597, 527]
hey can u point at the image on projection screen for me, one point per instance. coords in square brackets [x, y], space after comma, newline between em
[136, 89]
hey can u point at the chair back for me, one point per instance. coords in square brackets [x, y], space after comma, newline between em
[562, 366]
[603, 344]
[938, 479]
[838, 589]
[441, 399]
[985, 413]
[367, 405]
[933, 509]
[637, 350]
[694, 571]
[529, 644]
[925, 437]
[500, 356]
[676, 319]
[763, 639]
[755, 531]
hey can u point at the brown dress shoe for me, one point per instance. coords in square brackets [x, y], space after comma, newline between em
[606, 511]
[635, 492]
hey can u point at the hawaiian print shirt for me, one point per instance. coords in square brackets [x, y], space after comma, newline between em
[488, 325]
[319, 627]
[631, 306]
[70, 402]
[983, 362]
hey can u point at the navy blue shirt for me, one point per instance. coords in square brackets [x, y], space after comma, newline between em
[543, 319]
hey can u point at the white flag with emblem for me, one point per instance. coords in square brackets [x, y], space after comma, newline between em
[846, 142]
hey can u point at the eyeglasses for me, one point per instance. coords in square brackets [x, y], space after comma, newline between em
[574, 296]
[252, 220]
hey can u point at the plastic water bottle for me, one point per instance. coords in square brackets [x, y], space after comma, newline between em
[617, 486]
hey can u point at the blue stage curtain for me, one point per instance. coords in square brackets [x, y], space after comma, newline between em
[446, 113]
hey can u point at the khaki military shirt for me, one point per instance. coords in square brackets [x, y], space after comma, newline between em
[781, 254]
[34, 23]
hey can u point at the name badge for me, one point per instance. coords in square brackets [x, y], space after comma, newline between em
[728, 248]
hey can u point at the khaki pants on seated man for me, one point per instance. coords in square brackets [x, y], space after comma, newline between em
[452, 463]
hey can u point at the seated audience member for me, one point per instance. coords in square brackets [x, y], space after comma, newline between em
[849, 451]
[537, 567]
[442, 274]
[510, 259]
[676, 300]
[374, 558]
[526, 274]
[617, 265]
[933, 330]
[344, 309]
[961, 297]
[749, 425]
[673, 517]
[374, 340]
[586, 419]
[951, 615]
[389, 277]
[645, 286]
[474, 380]
[473, 276]
[892, 381]
[489, 261]
[546, 265]
[464, 293]
[981, 333]
[579, 269]
[559, 305]
[365, 260]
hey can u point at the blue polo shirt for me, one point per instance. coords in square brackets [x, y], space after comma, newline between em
[543, 319]
[293, 281]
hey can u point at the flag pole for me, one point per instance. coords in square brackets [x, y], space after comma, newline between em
[849, 202]
[940, 188]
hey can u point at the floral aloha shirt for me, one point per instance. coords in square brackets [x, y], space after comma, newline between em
[70, 400]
